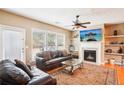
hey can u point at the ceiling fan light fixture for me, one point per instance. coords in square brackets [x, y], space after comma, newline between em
[78, 24]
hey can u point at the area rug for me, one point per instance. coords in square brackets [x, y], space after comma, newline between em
[88, 75]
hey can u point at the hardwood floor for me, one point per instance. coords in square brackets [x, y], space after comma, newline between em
[119, 71]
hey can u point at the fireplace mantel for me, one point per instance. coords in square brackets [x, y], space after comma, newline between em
[92, 46]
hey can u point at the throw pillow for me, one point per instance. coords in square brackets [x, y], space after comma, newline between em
[60, 54]
[64, 52]
[24, 67]
[46, 55]
[54, 54]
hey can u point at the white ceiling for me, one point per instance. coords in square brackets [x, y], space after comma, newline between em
[63, 17]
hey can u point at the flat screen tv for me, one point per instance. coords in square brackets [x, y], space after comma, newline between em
[91, 35]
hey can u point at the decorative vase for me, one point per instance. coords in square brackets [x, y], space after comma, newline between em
[115, 32]
[120, 50]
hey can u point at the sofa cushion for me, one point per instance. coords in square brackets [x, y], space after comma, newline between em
[24, 67]
[12, 74]
[1, 81]
[37, 72]
[54, 54]
[55, 60]
[46, 55]
[39, 76]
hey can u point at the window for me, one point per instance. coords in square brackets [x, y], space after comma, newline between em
[38, 42]
[43, 40]
[60, 42]
[51, 41]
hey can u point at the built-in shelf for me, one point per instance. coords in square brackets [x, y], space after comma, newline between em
[116, 54]
[114, 42]
[114, 45]
[117, 36]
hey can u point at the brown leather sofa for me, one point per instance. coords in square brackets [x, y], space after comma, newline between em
[49, 60]
[19, 74]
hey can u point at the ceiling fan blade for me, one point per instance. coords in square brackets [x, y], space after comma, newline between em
[84, 26]
[69, 25]
[86, 23]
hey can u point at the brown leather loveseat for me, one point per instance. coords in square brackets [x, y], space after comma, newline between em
[19, 74]
[49, 60]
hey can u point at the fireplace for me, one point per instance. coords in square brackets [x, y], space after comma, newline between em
[90, 55]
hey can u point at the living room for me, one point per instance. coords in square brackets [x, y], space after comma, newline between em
[55, 46]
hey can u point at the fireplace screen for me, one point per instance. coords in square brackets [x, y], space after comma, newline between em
[90, 55]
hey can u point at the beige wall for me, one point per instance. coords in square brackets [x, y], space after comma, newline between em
[0, 45]
[26, 23]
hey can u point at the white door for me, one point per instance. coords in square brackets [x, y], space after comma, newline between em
[13, 45]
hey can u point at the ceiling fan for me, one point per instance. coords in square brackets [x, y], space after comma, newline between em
[77, 24]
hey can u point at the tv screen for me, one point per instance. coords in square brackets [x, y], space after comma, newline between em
[91, 35]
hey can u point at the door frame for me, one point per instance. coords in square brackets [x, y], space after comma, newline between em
[17, 29]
